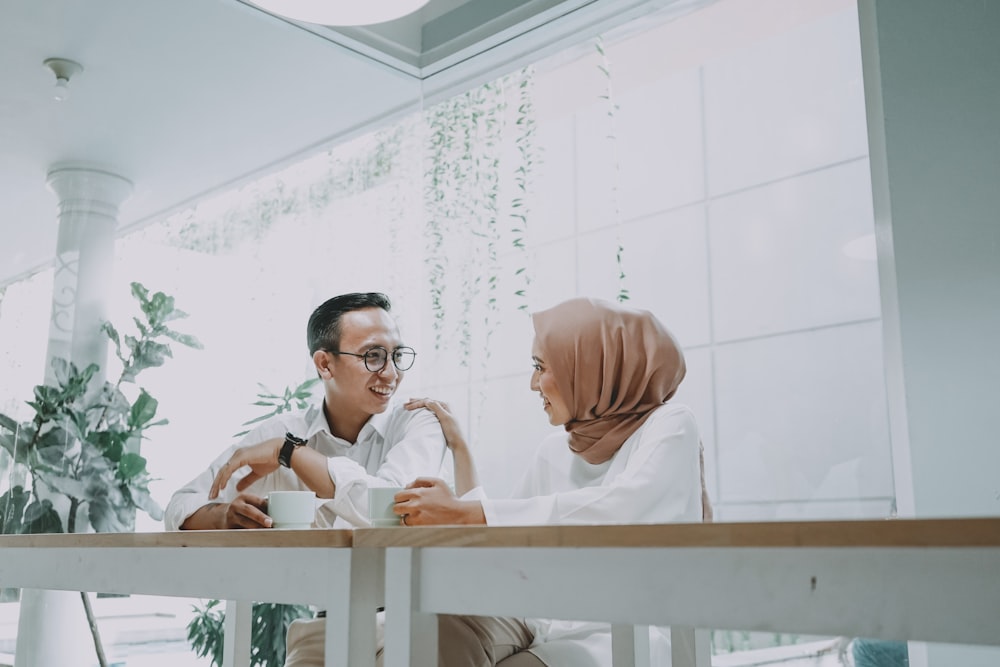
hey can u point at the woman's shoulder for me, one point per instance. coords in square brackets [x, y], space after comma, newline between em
[672, 418]
[672, 412]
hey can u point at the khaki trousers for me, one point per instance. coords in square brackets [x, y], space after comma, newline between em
[463, 641]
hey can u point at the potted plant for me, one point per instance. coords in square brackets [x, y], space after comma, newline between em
[81, 448]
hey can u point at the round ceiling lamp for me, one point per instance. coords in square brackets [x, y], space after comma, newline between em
[341, 12]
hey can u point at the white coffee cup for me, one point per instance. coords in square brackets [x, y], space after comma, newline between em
[291, 509]
[380, 502]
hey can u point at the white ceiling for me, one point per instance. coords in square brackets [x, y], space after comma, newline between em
[183, 97]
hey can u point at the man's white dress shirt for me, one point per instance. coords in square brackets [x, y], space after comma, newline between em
[393, 448]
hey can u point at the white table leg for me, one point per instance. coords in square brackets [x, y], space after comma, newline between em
[237, 631]
[630, 645]
[690, 647]
[411, 636]
[350, 612]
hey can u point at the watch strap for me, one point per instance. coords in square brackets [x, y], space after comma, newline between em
[287, 447]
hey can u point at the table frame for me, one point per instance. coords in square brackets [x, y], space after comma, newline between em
[316, 567]
[929, 580]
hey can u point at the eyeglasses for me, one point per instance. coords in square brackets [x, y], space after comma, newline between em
[376, 358]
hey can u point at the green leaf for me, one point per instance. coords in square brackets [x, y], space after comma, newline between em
[131, 465]
[112, 333]
[140, 293]
[11, 425]
[115, 401]
[184, 339]
[206, 631]
[146, 354]
[68, 486]
[41, 517]
[16, 438]
[144, 331]
[107, 511]
[143, 410]
[140, 498]
[62, 370]
[12, 505]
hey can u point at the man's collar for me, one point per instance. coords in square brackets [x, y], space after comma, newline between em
[316, 418]
[379, 422]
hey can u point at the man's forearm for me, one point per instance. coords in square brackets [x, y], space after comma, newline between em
[311, 467]
[207, 517]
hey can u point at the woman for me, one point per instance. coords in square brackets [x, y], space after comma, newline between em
[605, 373]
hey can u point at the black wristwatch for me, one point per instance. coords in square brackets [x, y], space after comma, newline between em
[285, 454]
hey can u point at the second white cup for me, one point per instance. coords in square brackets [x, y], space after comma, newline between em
[380, 502]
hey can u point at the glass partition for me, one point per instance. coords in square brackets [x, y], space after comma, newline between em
[710, 167]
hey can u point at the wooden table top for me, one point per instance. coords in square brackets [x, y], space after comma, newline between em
[266, 538]
[979, 532]
[964, 532]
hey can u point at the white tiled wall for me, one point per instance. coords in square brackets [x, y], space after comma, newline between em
[777, 254]
[666, 265]
[663, 166]
[803, 416]
[785, 105]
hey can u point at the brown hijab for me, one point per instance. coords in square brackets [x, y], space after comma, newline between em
[613, 366]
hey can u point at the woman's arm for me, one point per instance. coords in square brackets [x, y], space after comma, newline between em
[466, 478]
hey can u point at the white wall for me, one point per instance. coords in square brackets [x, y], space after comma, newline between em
[933, 71]
[937, 136]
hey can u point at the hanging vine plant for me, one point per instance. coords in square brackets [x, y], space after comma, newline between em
[613, 108]
[272, 199]
[462, 197]
[524, 125]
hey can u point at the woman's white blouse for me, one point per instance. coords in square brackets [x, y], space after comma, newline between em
[654, 478]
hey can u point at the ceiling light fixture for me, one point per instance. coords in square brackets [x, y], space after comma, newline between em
[64, 70]
[341, 12]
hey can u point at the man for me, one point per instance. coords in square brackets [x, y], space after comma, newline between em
[355, 439]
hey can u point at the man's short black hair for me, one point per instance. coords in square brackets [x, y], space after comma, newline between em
[323, 331]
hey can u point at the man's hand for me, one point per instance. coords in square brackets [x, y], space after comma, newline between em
[262, 459]
[428, 501]
[246, 511]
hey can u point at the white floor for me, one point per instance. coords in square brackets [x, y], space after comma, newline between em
[137, 631]
[146, 631]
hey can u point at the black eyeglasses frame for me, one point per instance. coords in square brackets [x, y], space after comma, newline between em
[386, 355]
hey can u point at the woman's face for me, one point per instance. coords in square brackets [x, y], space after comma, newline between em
[544, 383]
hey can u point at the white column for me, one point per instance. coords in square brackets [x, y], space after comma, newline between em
[52, 627]
[88, 217]
[932, 85]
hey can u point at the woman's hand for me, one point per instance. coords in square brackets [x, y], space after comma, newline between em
[466, 478]
[429, 502]
[449, 425]
[262, 459]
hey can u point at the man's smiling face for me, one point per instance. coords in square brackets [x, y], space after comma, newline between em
[352, 387]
